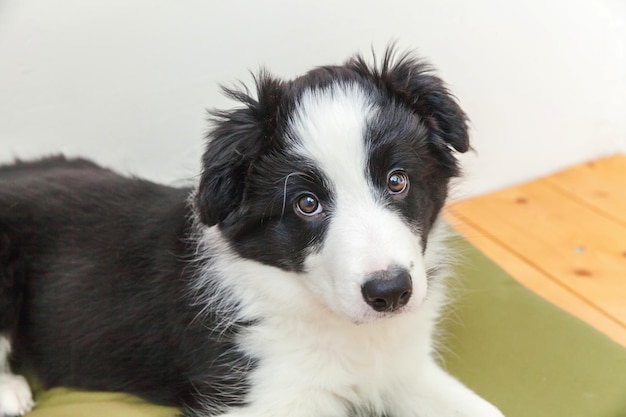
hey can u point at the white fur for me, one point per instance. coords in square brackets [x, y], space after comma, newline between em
[313, 362]
[321, 350]
[15, 396]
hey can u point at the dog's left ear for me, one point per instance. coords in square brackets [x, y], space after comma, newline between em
[238, 138]
[412, 81]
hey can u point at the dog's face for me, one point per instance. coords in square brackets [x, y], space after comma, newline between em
[338, 176]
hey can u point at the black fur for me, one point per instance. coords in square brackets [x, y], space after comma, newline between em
[96, 269]
[101, 264]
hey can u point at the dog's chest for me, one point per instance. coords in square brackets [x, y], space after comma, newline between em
[360, 365]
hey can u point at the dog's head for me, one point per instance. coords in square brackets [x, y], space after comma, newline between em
[338, 176]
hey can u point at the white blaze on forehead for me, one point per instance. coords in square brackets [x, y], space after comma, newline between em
[329, 127]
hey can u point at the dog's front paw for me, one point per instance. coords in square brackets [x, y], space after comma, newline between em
[478, 408]
[468, 405]
[15, 396]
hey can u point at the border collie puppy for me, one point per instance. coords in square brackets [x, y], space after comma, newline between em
[302, 277]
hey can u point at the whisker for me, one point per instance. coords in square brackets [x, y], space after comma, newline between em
[282, 212]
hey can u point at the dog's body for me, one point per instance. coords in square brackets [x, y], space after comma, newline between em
[302, 277]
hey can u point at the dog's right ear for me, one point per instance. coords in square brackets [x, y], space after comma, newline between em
[238, 138]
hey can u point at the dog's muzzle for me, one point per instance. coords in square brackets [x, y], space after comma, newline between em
[388, 290]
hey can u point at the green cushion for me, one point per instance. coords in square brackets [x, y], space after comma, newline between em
[62, 402]
[523, 354]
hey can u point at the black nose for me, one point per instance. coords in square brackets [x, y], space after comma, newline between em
[388, 290]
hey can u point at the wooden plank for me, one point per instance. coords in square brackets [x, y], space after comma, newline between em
[600, 184]
[571, 243]
[534, 279]
[563, 236]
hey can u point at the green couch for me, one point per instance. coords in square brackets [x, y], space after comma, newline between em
[521, 353]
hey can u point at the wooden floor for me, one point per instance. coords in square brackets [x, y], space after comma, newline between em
[563, 236]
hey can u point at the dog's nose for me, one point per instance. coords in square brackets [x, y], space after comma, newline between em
[388, 290]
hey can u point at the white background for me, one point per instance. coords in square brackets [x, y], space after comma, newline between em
[127, 82]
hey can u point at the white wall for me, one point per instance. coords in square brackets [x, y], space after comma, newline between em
[127, 82]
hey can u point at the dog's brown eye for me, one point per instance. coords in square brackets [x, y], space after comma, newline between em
[398, 182]
[308, 205]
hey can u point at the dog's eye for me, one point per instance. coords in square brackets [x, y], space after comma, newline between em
[398, 182]
[308, 205]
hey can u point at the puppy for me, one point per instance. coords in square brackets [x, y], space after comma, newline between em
[302, 277]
